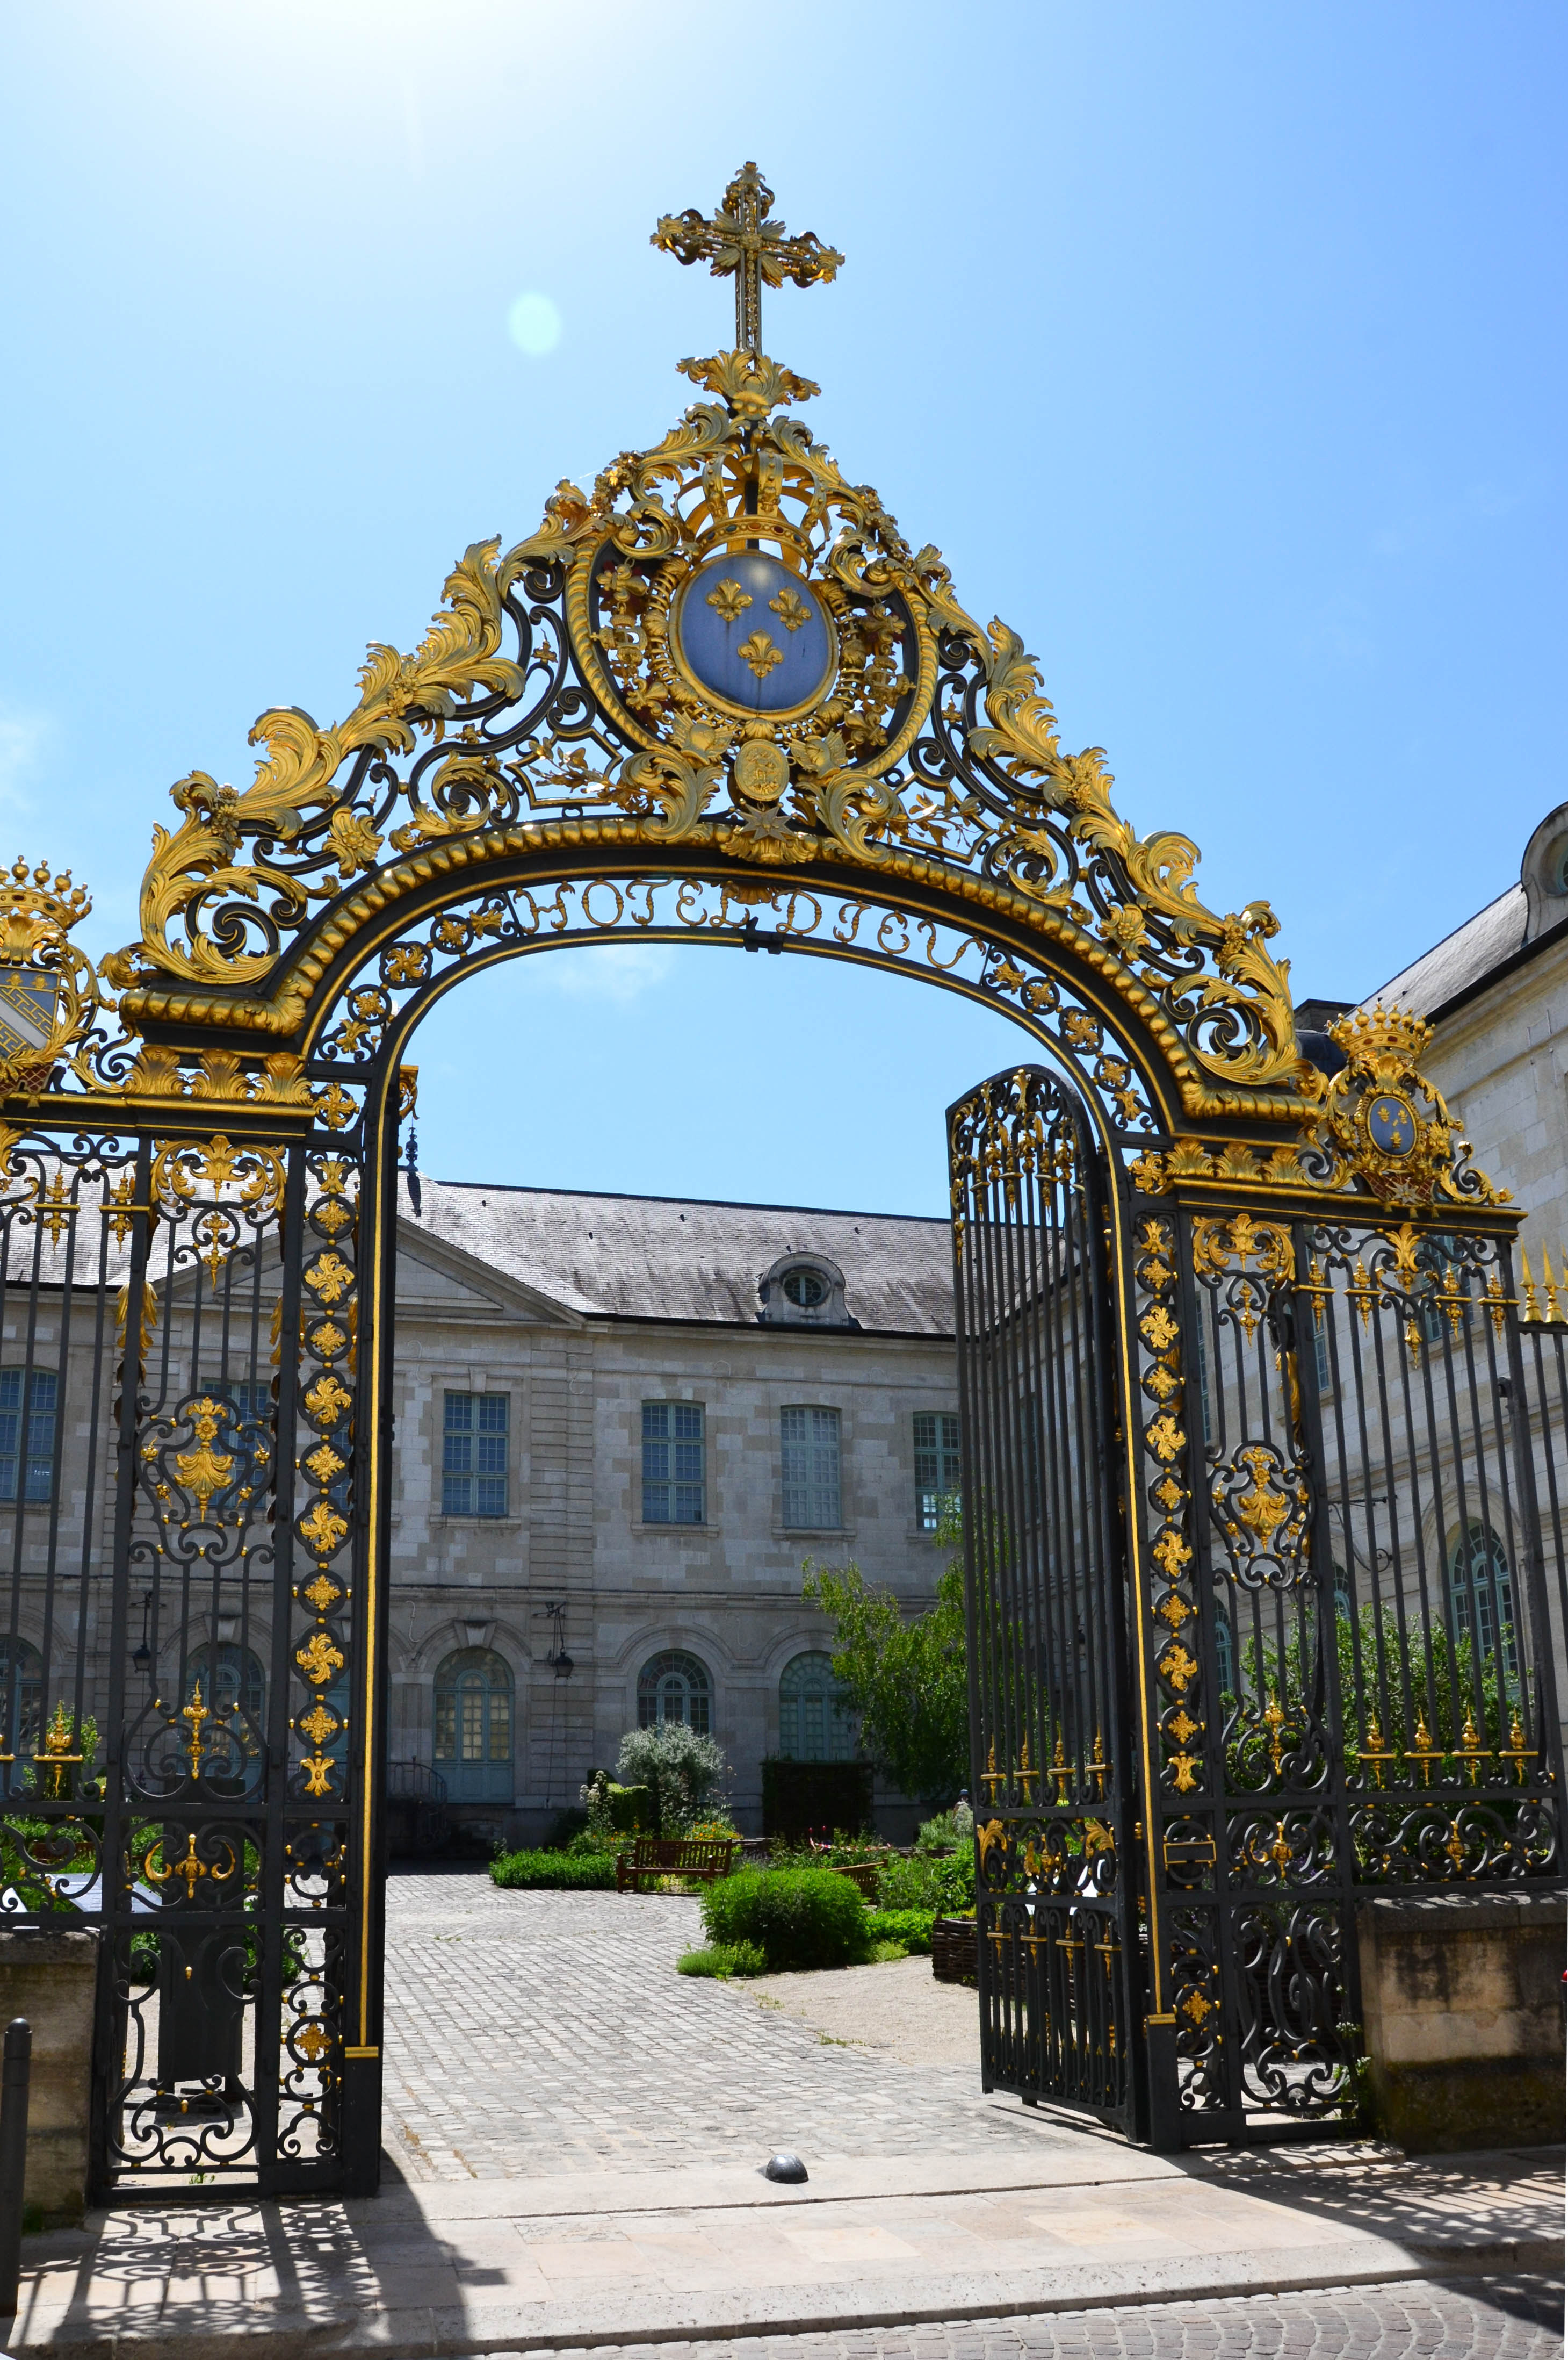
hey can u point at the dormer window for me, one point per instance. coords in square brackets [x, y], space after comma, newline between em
[804, 1290]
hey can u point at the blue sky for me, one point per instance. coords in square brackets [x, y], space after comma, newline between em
[1219, 348]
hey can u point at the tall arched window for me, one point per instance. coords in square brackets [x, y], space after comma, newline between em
[814, 1721]
[675, 1687]
[1481, 1593]
[21, 1696]
[474, 1726]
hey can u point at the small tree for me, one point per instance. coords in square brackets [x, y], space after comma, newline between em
[907, 1680]
[685, 1770]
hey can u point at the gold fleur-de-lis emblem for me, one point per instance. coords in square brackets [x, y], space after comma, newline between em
[760, 654]
[791, 609]
[729, 601]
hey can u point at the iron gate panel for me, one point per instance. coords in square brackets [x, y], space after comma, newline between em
[1364, 1699]
[1046, 1606]
[177, 1443]
[1318, 1661]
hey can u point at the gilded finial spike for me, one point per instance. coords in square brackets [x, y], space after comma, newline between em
[1375, 1750]
[1516, 1750]
[1549, 1286]
[1531, 1313]
[1423, 1753]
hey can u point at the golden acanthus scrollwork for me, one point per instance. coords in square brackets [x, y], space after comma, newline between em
[579, 677]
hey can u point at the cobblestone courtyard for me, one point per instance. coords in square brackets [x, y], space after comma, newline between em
[532, 2033]
[1518, 2319]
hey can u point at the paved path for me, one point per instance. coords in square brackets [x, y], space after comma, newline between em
[575, 2132]
[531, 2033]
[1517, 2319]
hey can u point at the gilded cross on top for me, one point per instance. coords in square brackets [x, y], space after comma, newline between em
[740, 241]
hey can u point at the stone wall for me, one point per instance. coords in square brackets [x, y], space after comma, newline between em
[50, 1979]
[1462, 2001]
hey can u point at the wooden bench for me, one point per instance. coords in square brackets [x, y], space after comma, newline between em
[704, 1857]
[863, 1875]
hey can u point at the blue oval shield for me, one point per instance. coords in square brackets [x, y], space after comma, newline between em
[755, 634]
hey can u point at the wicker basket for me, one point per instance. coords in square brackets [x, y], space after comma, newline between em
[955, 1950]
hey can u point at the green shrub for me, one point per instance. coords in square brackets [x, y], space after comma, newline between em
[634, 1810]
[724, 1959]
[949, 1832]
[911, 1929]
[590, 1840]
[799, 1917]
[564, 1827]
[945, 1887]
[562, 1872]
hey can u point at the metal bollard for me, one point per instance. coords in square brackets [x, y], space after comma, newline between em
[14, 2081]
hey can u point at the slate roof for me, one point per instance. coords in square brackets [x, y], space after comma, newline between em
[1463, 958]
[679, 1258]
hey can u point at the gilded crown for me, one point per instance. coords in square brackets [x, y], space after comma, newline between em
[33, 907]
[1379, 1031]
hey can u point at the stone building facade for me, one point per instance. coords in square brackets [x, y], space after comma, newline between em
[1496, 993]
[622, 1425]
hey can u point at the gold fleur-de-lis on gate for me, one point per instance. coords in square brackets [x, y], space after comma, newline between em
[760, 654]
[729, 602]
[791, 608]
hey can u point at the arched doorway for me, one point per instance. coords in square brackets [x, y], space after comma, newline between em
[720, 699]
[472, 1725]
[815, 1724]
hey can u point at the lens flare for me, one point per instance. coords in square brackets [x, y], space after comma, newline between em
[533, 325]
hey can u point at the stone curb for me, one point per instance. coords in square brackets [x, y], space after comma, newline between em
[451, 2335]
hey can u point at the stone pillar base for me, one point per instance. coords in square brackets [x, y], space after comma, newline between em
[51, 1979]
[1462, 2001]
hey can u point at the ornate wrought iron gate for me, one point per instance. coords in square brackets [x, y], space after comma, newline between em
[1300, 1647]
[1047, 1616]
[180, 1672]
[719, 699]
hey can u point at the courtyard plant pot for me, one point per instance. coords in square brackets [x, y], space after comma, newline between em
[956, 1950]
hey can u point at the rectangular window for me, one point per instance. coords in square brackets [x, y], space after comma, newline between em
[27, 1431]
[1321, 1353]
[808, 1451]
[473, 1455]
[936, 1465]
[673, 1472]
